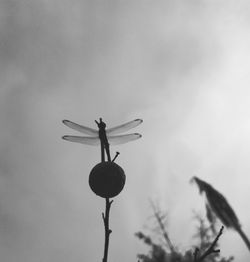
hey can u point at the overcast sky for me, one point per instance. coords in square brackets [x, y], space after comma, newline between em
[181, 66]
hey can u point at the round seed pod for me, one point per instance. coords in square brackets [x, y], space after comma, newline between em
[107, 179]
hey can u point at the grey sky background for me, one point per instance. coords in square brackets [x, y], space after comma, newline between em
[182, 66]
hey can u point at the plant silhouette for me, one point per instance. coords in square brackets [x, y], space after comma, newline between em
[218, 204]
[207, 248]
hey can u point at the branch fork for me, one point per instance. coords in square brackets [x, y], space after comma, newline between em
[210, 250]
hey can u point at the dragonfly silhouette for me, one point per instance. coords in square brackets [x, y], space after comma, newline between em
[102, 136]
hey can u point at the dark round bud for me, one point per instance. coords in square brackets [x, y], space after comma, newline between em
[107, 179]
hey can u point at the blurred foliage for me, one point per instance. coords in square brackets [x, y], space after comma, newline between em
[164, 251]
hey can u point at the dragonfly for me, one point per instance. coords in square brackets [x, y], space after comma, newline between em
[103, 136]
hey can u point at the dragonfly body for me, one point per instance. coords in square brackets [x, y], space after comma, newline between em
[104, 140]
[103, 136]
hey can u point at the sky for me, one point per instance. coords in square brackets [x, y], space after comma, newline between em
[181, 66]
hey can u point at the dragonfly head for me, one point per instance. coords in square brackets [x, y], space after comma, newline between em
[101, 124]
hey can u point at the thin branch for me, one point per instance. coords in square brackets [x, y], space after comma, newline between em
[107, 229]
[116, 155]
[162, 227]
[210, 250]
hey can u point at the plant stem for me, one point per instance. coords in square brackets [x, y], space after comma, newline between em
[162, 227]
[107, 229]
[244, 237]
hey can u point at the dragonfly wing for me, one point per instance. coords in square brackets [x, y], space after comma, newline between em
[80, 128]
[122, 139]
[93, 141]
[124, 127]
